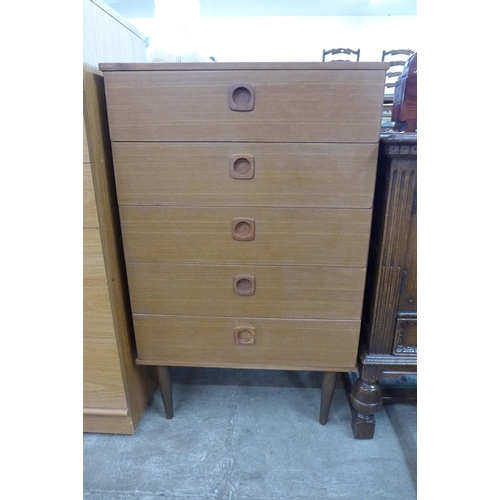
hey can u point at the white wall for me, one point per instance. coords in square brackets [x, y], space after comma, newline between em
[302, 38]
[289, 38]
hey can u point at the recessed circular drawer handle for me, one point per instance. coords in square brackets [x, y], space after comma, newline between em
[241, 97]
[244, 285]
[244, 335]
[242, 166]
[243, 229]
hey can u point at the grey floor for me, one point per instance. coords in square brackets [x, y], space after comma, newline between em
[253, 435]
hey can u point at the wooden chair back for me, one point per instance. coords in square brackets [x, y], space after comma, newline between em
[397, 59]
[348, 52]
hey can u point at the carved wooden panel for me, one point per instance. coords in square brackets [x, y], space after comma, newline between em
[405, 340]
[393, 247]
[408, 296]
[388, 344]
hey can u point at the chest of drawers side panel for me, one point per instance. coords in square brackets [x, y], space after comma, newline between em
[102, 376]
[109, 359]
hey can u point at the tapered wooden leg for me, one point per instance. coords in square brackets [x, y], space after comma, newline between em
[165, 383]
[327, 390]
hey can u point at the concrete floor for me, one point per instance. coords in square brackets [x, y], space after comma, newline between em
[253, 435]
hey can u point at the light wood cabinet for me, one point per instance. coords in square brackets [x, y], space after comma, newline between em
[245, 195]
[115, 389]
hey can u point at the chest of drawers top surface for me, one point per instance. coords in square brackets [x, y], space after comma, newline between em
[288, 151]
[262, 102]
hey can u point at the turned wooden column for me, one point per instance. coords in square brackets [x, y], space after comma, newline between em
[366, 400]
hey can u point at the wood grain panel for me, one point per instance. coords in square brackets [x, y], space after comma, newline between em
[86, 153]
[282, 236]
[286, 175]
[298, 106]
[90, 219]
[102, 377]
[279, 343]
[408, 295]
[110, 424]
[405, 338]
[231, 66]
[396, 214]
[138, 382]
[94, 271]
[280, 292]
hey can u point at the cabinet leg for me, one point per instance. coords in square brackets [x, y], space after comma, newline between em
[327, 390]
[165, 383]
[366, 400]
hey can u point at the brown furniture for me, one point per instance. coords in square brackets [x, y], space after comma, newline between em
[245, 194]
[404, 111]
[344, 52]
[397, 59]
[388, 345]
[115, 389]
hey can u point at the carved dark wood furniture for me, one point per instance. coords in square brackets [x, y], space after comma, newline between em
[404, 110]
[344, 52]
[388, 344]
[397, 59]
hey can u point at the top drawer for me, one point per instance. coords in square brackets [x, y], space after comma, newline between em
[246, 105]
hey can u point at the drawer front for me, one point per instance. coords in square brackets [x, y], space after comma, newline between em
[271, 106]
[273, 236]
[245, 174]
[246, 342]
[263, 291]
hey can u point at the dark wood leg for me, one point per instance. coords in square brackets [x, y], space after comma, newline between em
[165, 383]
[365, 399]
[327, 390]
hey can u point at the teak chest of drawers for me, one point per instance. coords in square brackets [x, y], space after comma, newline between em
[245, 194]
